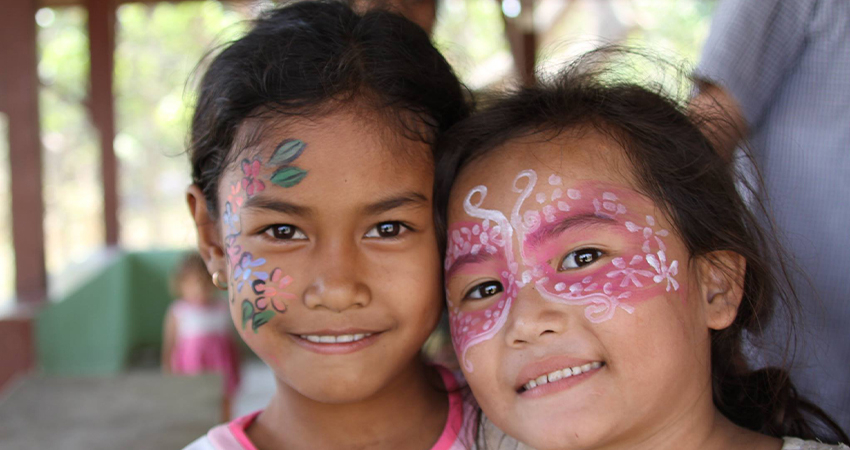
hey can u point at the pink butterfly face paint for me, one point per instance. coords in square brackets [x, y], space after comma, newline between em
[540, 243]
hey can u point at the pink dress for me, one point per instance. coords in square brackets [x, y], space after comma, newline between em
[457, 433]
[204, 342]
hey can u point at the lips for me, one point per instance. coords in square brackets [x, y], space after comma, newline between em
[334, 339]
[552, 370]
[334, 342]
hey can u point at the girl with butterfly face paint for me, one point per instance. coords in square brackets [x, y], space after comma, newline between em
[600, 269]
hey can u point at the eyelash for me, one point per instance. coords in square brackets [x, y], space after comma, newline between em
[295, 234]
[478, 289]
[577, 264]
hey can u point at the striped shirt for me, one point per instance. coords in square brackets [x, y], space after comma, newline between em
[787, 63]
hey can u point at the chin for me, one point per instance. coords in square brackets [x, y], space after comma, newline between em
[338, 391]
[555, 434]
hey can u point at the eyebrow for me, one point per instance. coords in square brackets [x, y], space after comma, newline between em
[388, 204]
[466, 259]
[551, 230]
[381, 206]
[260, 202]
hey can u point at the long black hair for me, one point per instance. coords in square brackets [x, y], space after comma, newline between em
[301, 59]
[678, 168]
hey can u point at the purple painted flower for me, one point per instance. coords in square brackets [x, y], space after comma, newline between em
[245, 270]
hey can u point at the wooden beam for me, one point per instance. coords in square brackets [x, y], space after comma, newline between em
[19, 84]
[522, 38]
[101, 27]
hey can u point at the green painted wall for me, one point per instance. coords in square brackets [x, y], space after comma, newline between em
[96, 327]
[150, 294]
[86, 331]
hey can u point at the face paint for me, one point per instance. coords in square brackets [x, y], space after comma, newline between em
[265, 295]
[287, 175]
[541, 234]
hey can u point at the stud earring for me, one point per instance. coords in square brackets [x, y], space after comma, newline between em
[218, 282]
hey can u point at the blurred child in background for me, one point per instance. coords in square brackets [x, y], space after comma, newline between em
[197, 336]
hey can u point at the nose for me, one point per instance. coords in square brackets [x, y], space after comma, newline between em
[532, 319]
[337, 285]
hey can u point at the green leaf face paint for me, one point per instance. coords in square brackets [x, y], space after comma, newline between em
[247, 313]
[288, 151]
[261, 318]
[288, 176]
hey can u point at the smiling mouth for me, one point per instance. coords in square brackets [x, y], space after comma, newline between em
[560, 374]
[334, 339]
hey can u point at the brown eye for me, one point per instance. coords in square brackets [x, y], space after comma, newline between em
[285, 232]
[484, 290]
[580, 258]
[386, 230]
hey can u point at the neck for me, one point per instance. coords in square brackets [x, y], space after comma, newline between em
[410, 412]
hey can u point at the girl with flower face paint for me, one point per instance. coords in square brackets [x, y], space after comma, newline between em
[313, 176]
[600, 268]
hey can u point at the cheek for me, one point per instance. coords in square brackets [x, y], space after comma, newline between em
[470, 328]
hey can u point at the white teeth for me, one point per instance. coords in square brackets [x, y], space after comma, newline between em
[335, 339]
[561, 374]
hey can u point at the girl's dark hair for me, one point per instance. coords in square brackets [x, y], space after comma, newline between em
[677, 166]
[301, 60]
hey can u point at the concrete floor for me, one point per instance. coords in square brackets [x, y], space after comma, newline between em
[142, 410]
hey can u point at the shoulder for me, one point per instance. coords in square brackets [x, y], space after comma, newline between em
[227, 436]
[791, 443]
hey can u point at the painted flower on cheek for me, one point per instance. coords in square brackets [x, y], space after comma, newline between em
[251, 182]
[664, 271]
[272, 290]
[245, 270]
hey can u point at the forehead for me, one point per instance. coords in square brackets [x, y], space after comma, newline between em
[576, 156]
[349, 145]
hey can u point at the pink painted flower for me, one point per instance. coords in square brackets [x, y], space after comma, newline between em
[273, 290]
[235, 196]
[251, 182]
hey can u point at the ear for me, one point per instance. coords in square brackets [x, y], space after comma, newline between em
[209, 239]
[721, 276]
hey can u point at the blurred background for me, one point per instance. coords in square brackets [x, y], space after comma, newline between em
[95, 102]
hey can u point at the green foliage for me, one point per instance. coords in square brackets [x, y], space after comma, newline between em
[471, 35]
[71, 157]
[158, 49]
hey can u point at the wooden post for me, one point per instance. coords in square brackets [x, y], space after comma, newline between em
[101, 27]
[19, 97]
[522, 38]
